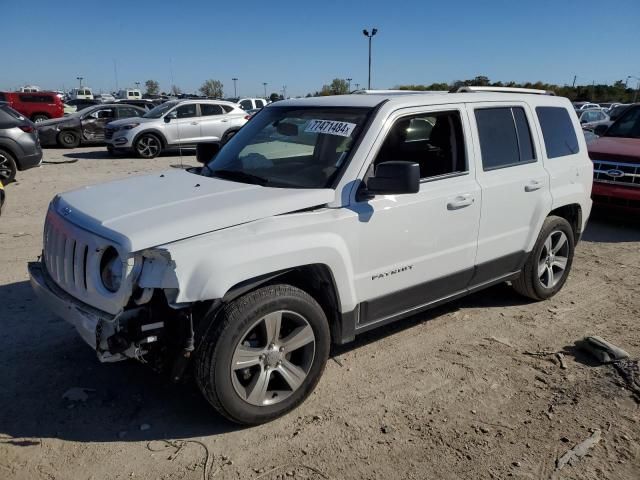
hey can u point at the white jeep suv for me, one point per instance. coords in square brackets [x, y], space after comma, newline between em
[175, 123]
[320, 219]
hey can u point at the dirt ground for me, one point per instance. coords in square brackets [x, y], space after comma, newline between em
[445, 395]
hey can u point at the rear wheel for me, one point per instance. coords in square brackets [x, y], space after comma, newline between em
[8, 167]
[227, 136]
[548, 266]
[148, 146]
[264, 355]
[68, 139]
[39, 117]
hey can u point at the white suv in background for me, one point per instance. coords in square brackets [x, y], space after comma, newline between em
[321, 219]
[175, 123]
[252, 103]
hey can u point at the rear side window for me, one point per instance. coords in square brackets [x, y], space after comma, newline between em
[207, 109]
[505, 137]
[558, 132]
[246, 105]
[35, 98]
[259, 103]
[227, 108]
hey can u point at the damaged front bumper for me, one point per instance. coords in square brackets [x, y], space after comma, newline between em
[91, 324]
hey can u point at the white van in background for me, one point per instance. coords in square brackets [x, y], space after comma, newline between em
[82, 93]
[129, 94]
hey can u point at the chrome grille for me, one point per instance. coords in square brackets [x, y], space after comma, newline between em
[617, 173]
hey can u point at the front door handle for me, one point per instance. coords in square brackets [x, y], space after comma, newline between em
[194, 123]
[460, 201]
[532, 186]
[224, 121]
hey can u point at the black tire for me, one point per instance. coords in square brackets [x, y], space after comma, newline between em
[8, 167]
[39, 117]
[227, 136]
[68, 139]
[148, 145]
[531, 283]
[213, 363]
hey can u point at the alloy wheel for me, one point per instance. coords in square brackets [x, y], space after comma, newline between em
[5, 168]
[148, 146]
[272, 360]
[552, 263]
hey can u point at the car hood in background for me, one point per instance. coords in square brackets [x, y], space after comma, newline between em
[150, 210]
[69, 120]
[615, 148]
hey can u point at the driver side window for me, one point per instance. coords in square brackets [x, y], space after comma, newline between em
[186, 111]
[432, 140]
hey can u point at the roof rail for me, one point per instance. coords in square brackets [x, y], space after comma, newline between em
[395, 92]
[533, 91]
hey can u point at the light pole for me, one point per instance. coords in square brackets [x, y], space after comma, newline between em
[137, 85]
[635, 95]
[369, 36]
[235, 89]
[349, 84]
[284, 92]
[264, 84]
[80, 80]
[357, 86]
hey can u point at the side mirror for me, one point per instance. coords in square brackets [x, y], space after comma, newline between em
[206, 151]
[394, 178]
[170, 115]
[600, 130]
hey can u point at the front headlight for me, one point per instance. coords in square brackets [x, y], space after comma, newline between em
[111, 270]
[129, 126]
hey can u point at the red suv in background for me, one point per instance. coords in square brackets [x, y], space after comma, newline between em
[616, 162]
[37, 106]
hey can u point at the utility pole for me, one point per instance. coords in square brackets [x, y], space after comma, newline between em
[235, 89]
[115, 72]
[574, 81]
[264, 84]
[349, 84]
[370, 36]
[635, 95]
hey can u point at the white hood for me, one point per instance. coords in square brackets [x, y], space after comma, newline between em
[150, 210]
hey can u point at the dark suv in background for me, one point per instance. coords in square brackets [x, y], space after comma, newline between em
[19, 143]
[37, 106]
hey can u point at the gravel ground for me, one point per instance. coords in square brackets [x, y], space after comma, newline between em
[444, 395]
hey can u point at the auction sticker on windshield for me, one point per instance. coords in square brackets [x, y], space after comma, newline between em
[330, 127]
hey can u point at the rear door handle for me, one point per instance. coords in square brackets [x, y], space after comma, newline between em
[532, 186]
[460, 201]
[224, 120]
[194, 123]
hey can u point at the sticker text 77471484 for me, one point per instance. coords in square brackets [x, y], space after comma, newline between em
[331, 127]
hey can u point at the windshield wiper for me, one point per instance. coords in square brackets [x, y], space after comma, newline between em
[237, 175]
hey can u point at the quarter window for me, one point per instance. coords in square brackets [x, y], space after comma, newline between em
[246, 104]
[558, 132]
[432, 140]
[505, 137]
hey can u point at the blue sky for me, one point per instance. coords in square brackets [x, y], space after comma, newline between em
[305, 44]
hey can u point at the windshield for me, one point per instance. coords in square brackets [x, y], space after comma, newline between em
[290, 147]
[628, 125]
[160, 110]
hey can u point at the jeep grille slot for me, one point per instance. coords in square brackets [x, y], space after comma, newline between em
[618, 173]
[65, 258]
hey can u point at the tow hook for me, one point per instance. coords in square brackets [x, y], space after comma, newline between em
[182, 360]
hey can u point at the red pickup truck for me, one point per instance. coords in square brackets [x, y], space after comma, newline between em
[36, 106]
[616, 163]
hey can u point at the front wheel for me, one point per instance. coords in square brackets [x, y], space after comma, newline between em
[549, 263]
[39, 117]
[69, 139]
[148, 146]
[264, 355]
